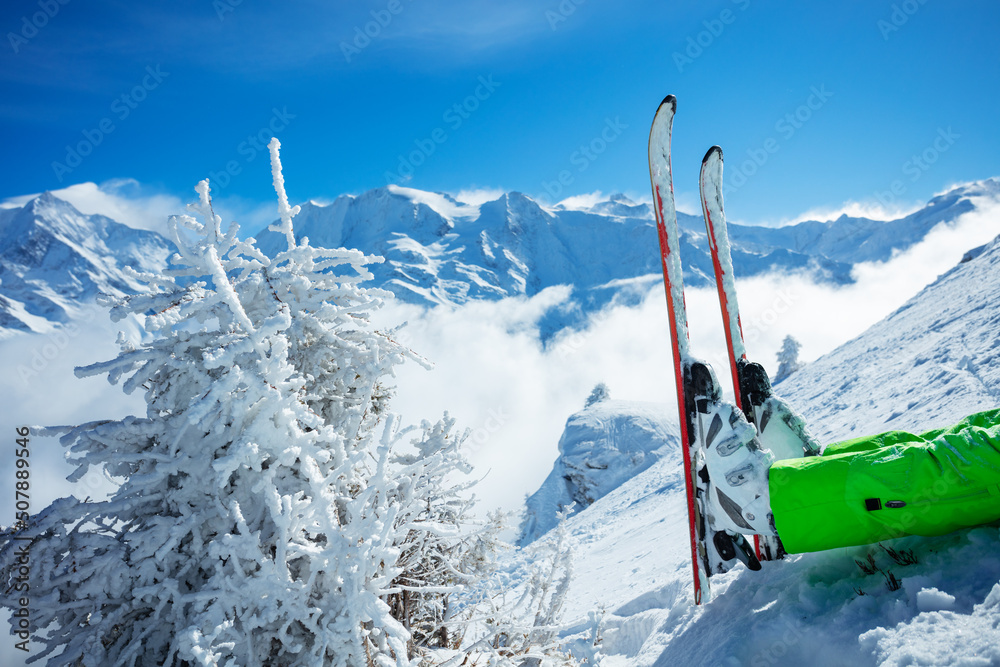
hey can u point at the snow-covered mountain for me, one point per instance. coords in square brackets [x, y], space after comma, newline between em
[928, 364]
[852, 240]
[54, 258]
[440, 250]
[603, 446]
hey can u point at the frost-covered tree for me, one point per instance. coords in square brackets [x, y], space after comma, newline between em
[788, 358]
[523, 606]
[598, 394]
[257, 521]
[443, 549]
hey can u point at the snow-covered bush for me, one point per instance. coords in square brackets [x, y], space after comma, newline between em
[520, 612]
[270, 511]
[257, 518]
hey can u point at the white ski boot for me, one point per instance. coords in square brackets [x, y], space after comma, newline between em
[738, 498]
[779, 428]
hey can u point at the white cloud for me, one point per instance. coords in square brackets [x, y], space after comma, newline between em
[437, 202]
[129, 202]
[123, 200]
[41, 390]
[583, 202]
[475, 25]
[477, 196]
[873, 210]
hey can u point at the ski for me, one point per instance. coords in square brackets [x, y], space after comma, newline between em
[666, 215]
[696, 385]
[710, 188]
[778, 428]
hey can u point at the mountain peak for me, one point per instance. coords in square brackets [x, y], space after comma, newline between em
[48, 201]
[54, 258]
[622, 206]
[516, 204]
[621, 198]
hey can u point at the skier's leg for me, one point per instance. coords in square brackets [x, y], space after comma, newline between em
[890, 485]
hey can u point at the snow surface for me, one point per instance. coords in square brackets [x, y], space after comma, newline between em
[928, 364]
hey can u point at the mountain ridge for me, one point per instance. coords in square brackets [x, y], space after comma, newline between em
[442, 251]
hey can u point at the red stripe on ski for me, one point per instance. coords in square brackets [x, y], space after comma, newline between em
[681, 406]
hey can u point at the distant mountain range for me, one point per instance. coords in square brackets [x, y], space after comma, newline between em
[439, 250]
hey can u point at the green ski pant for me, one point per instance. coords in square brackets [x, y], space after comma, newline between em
[879, 487]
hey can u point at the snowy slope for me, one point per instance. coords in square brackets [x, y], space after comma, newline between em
[936, 358]
[54, 258]
[937, 354]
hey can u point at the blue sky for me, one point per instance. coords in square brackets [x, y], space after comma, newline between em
[814, 104]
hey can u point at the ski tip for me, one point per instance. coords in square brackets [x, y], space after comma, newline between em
[712, 151]
[670, 101]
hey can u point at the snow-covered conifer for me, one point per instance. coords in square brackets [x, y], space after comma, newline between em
[788, 358]
[257, 518]
[599, 393]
